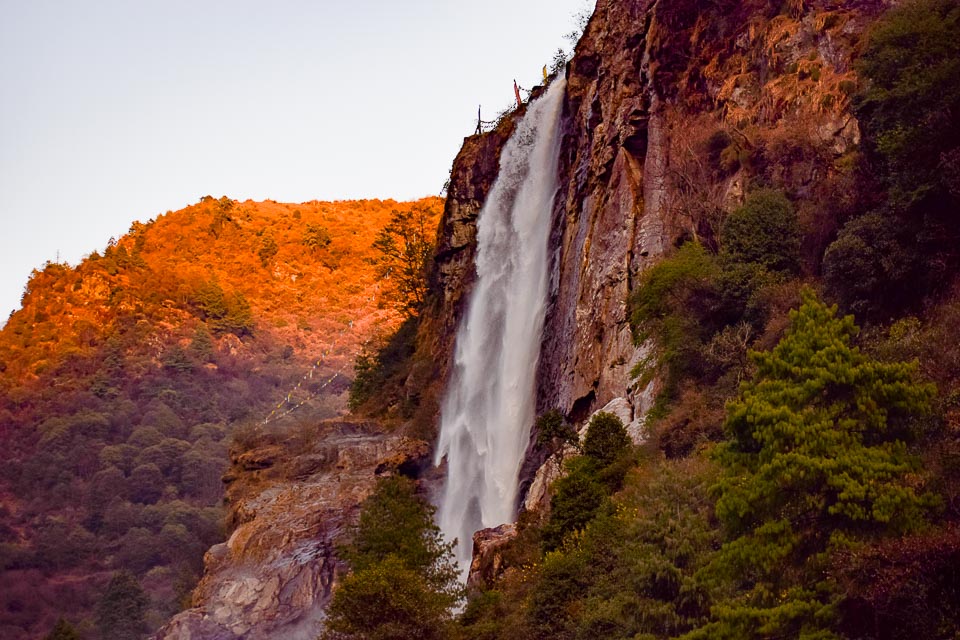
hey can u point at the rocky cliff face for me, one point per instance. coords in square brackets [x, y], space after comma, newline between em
[291, 497]
[655, 88]
[674, 110]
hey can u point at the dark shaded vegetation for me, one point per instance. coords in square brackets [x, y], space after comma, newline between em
[380, 368]
[899, 254]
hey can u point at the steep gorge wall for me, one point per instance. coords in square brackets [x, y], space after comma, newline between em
[650, 85]
[674, 110]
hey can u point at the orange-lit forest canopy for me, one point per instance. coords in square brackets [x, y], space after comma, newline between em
[122, 378]
[303, 270]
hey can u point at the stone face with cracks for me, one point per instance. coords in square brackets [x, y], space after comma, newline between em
[275, 575]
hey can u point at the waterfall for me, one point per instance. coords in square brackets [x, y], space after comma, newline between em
[489, 409]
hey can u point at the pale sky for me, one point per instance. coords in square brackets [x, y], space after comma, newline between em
[113, 111]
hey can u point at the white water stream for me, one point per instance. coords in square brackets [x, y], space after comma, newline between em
[489, 407]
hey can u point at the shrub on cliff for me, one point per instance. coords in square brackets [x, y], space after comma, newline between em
[606, 439]
[403, 582]
[554, 434]
[869, 267]
[764, 231]
[578, 497]
[668, 305]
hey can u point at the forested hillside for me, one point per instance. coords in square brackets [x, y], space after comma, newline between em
[124, 379]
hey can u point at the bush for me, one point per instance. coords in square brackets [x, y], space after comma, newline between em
[606, 439]
[554, 433]
[576, 499]
[763, 231]
[376, 368]
[387, 601]
[674, 304]
[868, 268]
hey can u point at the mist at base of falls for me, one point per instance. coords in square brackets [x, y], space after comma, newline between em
[489, 407]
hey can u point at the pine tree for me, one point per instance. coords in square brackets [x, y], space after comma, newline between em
[403, 582]
[817, 460]
[405, 248]
[121, 610]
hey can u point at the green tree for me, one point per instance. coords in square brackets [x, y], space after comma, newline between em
[316, 237]
[554, 434]
[870, 267]
[201, 347]
[268, 249]
[577, 497]
[63, 630]
[763, 231]
[606, 438]
[406, 247]
[817, 460]
[672, 304]
[223, 313]
[121, 610]
[403, 582]
[591, 479]
[910, 107]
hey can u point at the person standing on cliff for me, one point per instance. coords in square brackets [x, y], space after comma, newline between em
[479, 122]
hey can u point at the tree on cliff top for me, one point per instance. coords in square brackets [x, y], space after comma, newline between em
[403, 582]
[405, 247]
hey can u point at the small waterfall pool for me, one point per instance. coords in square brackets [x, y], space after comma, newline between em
[489, 409]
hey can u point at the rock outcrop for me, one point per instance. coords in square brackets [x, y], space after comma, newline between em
[488, 546]
[652, 86]
[290, 502]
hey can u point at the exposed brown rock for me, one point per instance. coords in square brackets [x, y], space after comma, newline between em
[290, 502]
[488, 547]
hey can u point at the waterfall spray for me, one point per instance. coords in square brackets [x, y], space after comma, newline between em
[489, 407]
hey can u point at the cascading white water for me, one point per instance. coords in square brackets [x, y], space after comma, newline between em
[489, 407]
